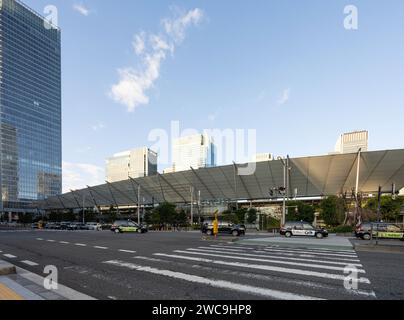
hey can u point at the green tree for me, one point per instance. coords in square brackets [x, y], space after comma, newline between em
[332, 210]
[181, 218]
[240, 215]
[252, 216]
[166, 213]
[390, 208]
[300, 211]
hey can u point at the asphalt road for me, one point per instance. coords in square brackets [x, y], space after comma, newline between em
[181, 265]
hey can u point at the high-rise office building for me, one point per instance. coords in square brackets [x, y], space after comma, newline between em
[135, 163]
[196, 151]
[30, 108]
[351, 142]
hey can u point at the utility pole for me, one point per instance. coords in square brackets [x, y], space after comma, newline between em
[84, 200]
[379, 203]
[138, 205]
[284, 191]
[357, 185]
[192, 205]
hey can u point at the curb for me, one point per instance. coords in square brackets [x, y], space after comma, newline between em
[6, 268]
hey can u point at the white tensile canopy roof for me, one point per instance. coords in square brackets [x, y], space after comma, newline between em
[311, 176]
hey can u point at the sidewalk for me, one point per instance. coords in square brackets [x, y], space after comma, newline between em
[20, 284]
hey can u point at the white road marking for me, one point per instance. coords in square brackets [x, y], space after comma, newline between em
[214, 282]
[270, 278]
[50, 240]
[294, 254]
[9, 256]
[299, 264]
[232, 247]
[264, 267]
[30, 263]
[64, 242]
[292, 250]
[315, 253]
[39, 239]
[102, 248]
[276, 257]
[80, 244]
[127, 251]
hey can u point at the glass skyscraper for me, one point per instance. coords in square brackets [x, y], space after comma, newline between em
[30, 108]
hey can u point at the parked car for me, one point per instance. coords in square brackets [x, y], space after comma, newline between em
[53, 226]
[121, 226]
[72, 226]
[35, 225]
[380, 230]
[94, 226]
[302, 229]
[224, 228]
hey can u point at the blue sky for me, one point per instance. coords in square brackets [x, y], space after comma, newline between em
[288, 69]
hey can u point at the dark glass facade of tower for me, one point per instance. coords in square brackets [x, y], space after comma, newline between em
[30, 108]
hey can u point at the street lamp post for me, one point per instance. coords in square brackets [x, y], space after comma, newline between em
[84, 200]
[138, 205]
[284, 191]
[192, 205]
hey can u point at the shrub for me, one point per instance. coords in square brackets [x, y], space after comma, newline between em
[341, 229]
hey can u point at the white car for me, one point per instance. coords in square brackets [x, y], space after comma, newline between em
[94, 226]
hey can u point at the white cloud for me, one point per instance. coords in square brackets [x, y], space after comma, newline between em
[152, 49]
[139, 43]
[285, 97]
[98, 126]
[82, 9]
[176, 28]
[79, 175]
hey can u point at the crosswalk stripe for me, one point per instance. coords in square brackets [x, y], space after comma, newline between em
[315, 253]
[7, 255]
[301, 254]
[257, 276]
[264, 267]
[291, 250]
[299, 264]
[277, 257]
[325, 250]
[214, 282]
[29, 263]
[127, 251]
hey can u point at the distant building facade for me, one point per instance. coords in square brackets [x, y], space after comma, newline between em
[137, 163]
[196, 151]
[351, 142]
[260, 157]
[30, 108]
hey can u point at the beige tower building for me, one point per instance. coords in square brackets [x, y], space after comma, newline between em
[135, 163]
